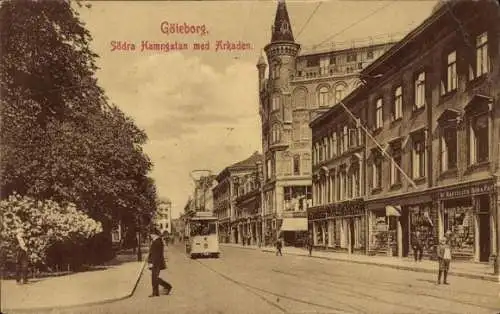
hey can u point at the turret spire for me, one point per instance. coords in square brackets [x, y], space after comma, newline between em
[282, 28]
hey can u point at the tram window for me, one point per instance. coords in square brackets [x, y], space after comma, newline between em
[202, 228]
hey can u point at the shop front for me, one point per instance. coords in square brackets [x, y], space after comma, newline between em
[466, 216]
[396, 223]
[339, 226]
[269, 232]
[293, 229]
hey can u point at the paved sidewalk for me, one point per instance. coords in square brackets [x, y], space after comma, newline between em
[97, 286]
[457, 268]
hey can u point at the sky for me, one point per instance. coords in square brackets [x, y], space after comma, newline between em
[200, 108]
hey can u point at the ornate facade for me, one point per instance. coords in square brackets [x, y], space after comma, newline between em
[297, 86]
[433, 162]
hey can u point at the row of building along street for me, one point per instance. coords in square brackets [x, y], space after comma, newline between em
[364, 146]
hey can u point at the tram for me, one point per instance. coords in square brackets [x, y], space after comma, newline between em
[202, 238]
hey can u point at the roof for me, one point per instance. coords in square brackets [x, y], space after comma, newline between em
[438, 11]
[282, 28]
[248, 163]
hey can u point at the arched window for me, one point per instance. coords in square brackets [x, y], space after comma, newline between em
[323, 96]
[339, 93]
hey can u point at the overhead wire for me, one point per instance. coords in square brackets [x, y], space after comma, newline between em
[354, 24]
[309, 19]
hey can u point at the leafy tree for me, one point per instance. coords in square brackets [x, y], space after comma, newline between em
[60, 137]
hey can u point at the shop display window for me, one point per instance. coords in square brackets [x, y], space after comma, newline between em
[380, 231]
[458, 218]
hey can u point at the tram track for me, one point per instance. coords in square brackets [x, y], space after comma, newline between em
[252, 289]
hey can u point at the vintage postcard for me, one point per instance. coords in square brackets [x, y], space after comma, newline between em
[260, 156]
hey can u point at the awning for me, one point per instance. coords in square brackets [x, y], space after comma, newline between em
[294, 224]
[393, 210]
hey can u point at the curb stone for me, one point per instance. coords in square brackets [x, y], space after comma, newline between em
[400, 267]
[45, 308]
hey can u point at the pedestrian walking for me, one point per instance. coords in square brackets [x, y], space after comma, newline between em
[444, 258]
[156, 260]
[309, 244]
[418, 247]
[22, 260]
[279, 245]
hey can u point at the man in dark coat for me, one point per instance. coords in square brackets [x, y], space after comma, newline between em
[22, 259]
[156, 261]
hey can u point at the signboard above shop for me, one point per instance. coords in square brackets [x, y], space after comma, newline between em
[467, 191]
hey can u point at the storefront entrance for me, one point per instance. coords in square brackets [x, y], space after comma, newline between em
[405, 227]
[352, 238]
[484, 237]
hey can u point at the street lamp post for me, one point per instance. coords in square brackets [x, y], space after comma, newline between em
[139, 227]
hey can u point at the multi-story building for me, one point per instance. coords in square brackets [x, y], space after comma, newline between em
[162, 219]
[431, 105]
[178, 228]
[248, 208]
[202, 196]
[225, 194]
[298, 85]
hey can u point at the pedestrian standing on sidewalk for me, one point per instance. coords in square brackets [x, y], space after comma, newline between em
[156, 260]
[309, 243]
[279, 245]
[22, 260]
[444, 258]
[418, 247]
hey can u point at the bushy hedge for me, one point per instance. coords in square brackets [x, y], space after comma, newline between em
[46, 225]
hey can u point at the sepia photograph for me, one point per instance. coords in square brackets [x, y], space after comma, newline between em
[249, 156]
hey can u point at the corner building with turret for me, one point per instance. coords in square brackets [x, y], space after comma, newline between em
[295, 85]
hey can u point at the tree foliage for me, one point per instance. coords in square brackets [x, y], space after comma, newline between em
[43, 224]
[60, 137]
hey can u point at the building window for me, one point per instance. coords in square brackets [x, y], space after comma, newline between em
[396, 163]
[353, 137]
[324, 64]
[479, 139]
[420, 91]
[305, 131]
[268, 169]
[418, 156]
[397, 112]
[369, 55]
[343, 184]
[345, 139]
[339, 93]
[296, 165]
[275, 105]
[323, 96]
[334, 144]
[377, 171]
[333, 60]
[379, 114]
[312, 61]
[449, 148]
[276, 68]
[355, 179]
[276, 134]
[351, 58]
[296, 131]
[482, 54]
[451, 72]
